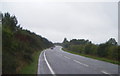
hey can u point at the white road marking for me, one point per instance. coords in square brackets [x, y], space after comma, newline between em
[51, 70]
[81, 63]
[66, 57]
[106, 73]
[60, 54]
[39, 62]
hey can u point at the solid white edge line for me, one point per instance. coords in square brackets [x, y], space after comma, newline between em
[51, 70]
[38, 72]
[106, 73]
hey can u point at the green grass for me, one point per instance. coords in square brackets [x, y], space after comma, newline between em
[94, 57]
[33, 67]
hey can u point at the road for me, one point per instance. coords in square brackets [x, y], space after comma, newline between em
[57, 61]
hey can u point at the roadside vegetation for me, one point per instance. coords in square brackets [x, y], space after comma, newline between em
[20, 47]
[108, 51]
[32, 68]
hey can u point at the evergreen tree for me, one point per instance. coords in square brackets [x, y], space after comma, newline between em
[112, 41]
[65, 40]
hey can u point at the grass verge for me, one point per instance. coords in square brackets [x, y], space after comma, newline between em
[94, 57]
[31, 68]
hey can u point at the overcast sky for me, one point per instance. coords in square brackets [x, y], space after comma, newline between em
[96, 21]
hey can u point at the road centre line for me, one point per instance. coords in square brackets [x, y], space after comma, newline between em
[51, 70]
[66, 57]
[80, 63]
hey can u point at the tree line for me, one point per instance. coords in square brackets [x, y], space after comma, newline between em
[109, 49]
[18, 45]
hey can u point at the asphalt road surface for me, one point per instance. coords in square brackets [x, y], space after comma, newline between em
[57, 61]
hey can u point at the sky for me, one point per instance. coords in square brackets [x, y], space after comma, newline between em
[95, 21]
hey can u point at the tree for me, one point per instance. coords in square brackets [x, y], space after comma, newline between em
[65, 43]
[9, 21]
[65, 40]
[79, 41]
[112, 41]
[102, 50]
[113, 52]
[88, 49]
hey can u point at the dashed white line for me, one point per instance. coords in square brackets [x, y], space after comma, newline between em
[80, 63]
[66, 57]
[106, 73]
[51, 70]
[58, 55]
